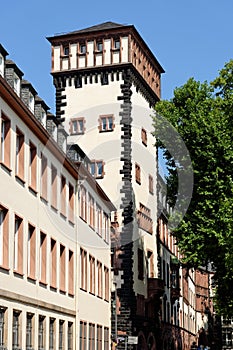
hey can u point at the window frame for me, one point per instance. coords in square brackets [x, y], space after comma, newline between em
[109, 126]
[78, 131]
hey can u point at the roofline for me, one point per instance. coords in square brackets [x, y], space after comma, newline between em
[124, 28]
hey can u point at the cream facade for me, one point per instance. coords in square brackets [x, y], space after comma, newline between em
[43, 232]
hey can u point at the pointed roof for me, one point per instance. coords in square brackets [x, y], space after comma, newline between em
[98, 27]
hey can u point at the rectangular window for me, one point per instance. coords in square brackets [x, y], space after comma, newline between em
[83, 203]
[116, 44]
[41, 333]
[151, 184]
[82, 335]
[70, 336]
[106, 283]
[18, 245]
[63, 195]
[138, 174]
[71, 273]
[99, 46]
[77, 126]
[106, 338]
[91, 336]
[140, 264]
[71, 203]
[100, 279]
[83, 268]
[66, 50]
[99, 338]
[29, 332]
[32, 166]
[44, 177]
[19, 154]
[62, 268]
[97, 169]
[53, 262]
[105, 227]
[15, 330]
[99, 220]
[91, 212]
[61, 335]
[2, 328]
[5, 141]
[4, 237]
[53, 187]
[31, 252]
[92, 274]
[106, 123]
[144, 137]
[82, 48]
[51, 333]
[43, 258]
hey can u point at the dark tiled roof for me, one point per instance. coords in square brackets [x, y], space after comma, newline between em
[102, 26]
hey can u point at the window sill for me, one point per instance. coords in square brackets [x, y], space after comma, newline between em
[43, 283]
[20, 179]
[6, 167]
[4, 267]
[18, 273]
[63, 216]
[33, 190]
[71, 294]
[54, 208]
[71, 222]
[77, 133]
[82, 53]
[84, 290]
[62, 291]
[44, 199]
[109, 130]
[31, 278]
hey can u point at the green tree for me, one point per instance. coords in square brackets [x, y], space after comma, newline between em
[202, 114]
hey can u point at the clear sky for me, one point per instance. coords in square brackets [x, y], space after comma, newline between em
[189, 38]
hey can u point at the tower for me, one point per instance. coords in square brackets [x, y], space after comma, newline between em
[107, 80]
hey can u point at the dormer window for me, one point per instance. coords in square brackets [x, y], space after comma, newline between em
[43, 119]
[31, 102]
[1, 65]
[17, 85]
[99, 46]
[82, 48]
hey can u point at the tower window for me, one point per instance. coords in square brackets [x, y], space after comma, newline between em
[106, 123]
[77, 126]
[66, 50]
[116, 44]
[82, 48]
[99, 46]
[97, 169]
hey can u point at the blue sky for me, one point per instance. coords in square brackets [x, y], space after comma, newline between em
[189, 38]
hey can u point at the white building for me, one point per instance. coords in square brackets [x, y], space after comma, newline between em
[107, 80]
[54, 249]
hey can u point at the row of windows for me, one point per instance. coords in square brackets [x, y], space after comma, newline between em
[138, 178]
[92, 213]
[91, 336]
[77, 125]
[40, 335]
[63, 192]
[39, 250]
[98, 47]
[94, 276]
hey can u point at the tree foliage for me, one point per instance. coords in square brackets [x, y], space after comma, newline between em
[202, 114]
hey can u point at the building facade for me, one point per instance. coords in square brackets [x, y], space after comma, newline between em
[54, 247]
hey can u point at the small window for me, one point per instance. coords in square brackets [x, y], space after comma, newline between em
[97, 169]
[19, 154]
[106, 123]
[138, 174]
[5, 141]
[140, 264]
[77, 126]
[144, 137]
[99, 46]
[117, 44]
[82, 48]
[151, 184]
[66, 50]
